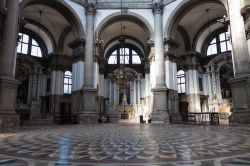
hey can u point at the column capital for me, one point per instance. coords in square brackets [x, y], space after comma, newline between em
[245, 12]
[151, 51]
[147, 65]
[102, 64]
[191, 61]
[169, 49]
[59, 62]
[157, 7]
[90, 8]
[78, 49]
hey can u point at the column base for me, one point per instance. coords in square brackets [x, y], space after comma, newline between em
[8, 90]
[241, 99]
[160, 113]
[240, 118]
[8, 121]
[89, 111]
[76, 102]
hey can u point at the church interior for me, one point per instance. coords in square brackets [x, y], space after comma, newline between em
[124, 82]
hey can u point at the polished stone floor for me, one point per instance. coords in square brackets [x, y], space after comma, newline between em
[126, 144]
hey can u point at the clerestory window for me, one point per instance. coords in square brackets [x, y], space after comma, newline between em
[219, 44]
[124, 56]
[29, 46]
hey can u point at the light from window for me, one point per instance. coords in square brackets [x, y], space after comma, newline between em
[124, 56]
[28, 46]
[136, 59]
[219, 44]
[181, 81]
[67, 82]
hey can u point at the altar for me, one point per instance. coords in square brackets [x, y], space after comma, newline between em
[125, 112]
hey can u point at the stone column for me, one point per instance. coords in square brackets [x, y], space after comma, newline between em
[8, 85]
[131, 95]
[209, 82]
[192, 77]
[102, 66]
[78, 53]
[159, 91]
[110, 92]
[151, 63]
[3, 13]
[171, 78]
[138, 89]
[134, 93]
[240, 85]
[159, 48]
[57, 77]
[89, 111]
[89, 58]
[35, 91]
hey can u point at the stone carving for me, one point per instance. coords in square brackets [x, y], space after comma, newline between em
[246, 13]
[78, 49]
[90, 8]
[157, 7]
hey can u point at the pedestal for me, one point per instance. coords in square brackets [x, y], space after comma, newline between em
[89, 110]
[35, 110]
[173, 106]
[8, 90]
[159, 111]
[241, 100]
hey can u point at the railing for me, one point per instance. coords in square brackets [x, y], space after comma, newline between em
[204, 118]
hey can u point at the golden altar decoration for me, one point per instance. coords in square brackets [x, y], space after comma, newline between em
[125, 110]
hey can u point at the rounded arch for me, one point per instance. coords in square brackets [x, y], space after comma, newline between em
[128, 43]
[117, 46]
[209, 39]
[37, 38]
[64, 9]
[204, 32]
[180, 11]
[44, 34]
[220, 60]
[129, 15]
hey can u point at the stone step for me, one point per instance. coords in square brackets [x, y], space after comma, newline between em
[38, 122]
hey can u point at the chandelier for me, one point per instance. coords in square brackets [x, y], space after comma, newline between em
[122, 75]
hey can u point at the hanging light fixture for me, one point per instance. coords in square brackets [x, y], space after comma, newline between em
[122, 75]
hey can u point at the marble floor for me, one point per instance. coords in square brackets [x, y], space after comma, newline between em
[126, 144]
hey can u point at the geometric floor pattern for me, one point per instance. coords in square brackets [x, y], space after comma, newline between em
[126, 144]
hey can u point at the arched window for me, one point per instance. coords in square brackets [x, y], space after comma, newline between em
[67, 82]
[29, 46]
[181, 81]
[219, 44]
[124, 56]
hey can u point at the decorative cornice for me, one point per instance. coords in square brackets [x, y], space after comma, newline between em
[245, 12]
[78, 49]
[102, 65]
[147, 67]
[59, 62]
[190, 60]
[90, 8]
[157, 7]
[170, 55]
[225, 20]
[169, 49]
